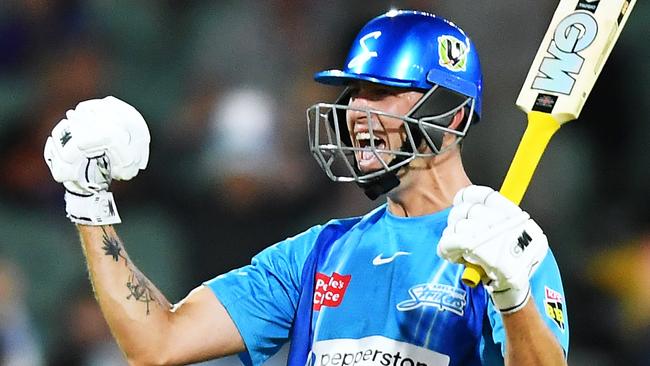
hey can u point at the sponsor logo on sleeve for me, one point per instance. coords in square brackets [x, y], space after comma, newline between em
[329, 290]
[373, 350]
[554, 306]
[444, 297]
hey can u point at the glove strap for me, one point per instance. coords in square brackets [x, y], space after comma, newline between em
[512, 300]
[95, 209]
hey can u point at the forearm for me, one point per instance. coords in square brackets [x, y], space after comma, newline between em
[136, 311]
[528, 339]
[86, 151]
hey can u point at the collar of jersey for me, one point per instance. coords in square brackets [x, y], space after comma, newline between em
[435, 218]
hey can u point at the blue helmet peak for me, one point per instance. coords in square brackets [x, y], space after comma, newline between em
[415, 50]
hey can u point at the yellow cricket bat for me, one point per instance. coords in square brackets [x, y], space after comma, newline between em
[577, 43]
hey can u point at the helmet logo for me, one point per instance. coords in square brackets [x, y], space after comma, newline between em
[452, 53]
[366, 54]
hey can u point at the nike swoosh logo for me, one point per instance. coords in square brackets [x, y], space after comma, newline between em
[378, 261]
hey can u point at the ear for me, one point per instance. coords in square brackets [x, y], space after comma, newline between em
[456, 123]
[457, 119]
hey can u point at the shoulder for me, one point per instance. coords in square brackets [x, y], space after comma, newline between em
[294, 251]
[341, 226]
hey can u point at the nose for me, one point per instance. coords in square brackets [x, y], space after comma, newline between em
[359, 104]
[353, 116]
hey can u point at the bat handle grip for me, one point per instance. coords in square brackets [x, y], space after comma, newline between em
[472, 274]
[540, 129]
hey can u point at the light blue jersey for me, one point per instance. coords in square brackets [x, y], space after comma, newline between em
[373, 291]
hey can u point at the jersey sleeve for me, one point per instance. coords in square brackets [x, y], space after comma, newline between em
[548, 294]
[261, 298]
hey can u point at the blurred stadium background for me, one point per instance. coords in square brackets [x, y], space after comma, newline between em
[223, 86]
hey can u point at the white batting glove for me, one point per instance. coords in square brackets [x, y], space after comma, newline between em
[486, 229]
[100, 140]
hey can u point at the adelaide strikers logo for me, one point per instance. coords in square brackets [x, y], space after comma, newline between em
[452, 53]
[444, 297]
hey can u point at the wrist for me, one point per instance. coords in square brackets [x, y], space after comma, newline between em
[94, 209]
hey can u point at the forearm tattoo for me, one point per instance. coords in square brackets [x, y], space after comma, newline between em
[112, 247]
[140, 289]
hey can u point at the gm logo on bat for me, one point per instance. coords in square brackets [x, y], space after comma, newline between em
[572, 35]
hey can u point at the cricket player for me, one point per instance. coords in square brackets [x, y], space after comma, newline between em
[381, 289]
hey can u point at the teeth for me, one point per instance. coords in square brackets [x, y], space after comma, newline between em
[363, 136]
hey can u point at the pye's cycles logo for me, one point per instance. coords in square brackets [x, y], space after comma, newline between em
[329, 290]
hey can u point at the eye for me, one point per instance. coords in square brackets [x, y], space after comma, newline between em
[383, 91]
[353, 91]
[371, 93]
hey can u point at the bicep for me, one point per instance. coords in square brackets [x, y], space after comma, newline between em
[248, 309]
[201, 329]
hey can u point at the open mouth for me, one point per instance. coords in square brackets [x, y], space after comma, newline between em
[366, 157]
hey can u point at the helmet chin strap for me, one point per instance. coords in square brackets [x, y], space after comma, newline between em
[380, 185]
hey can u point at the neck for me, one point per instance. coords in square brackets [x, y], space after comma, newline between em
[428, 186]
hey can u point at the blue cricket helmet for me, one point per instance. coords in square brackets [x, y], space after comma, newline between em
[404, 49]
[412, 49]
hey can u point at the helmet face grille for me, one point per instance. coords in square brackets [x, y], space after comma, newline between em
[337, 152]
[400, 49]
